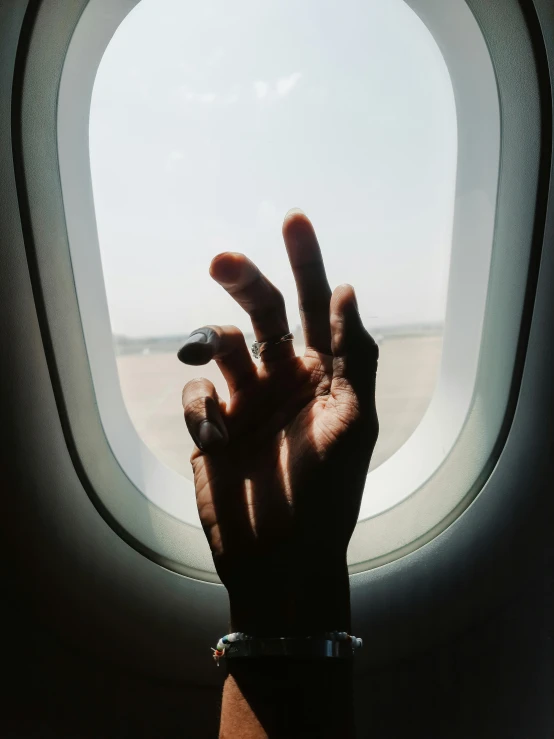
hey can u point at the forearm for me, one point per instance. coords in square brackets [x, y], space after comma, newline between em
[284, 697]
[287, 698]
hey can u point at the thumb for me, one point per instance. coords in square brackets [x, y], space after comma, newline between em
[355, 353]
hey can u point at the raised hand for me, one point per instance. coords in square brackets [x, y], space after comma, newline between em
[279, 473]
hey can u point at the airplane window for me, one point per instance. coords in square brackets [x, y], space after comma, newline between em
[206, 126]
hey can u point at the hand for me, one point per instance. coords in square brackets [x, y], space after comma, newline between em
[279, 473]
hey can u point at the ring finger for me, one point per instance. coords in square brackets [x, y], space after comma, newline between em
[259, 298]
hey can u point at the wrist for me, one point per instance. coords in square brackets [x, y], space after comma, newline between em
[305, 603]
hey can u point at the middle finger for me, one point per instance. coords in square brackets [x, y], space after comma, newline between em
[258, 297]
[314, 293]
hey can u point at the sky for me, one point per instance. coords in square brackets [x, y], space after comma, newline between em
[209, 120]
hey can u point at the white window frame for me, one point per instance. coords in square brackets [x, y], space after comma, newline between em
[428, 483]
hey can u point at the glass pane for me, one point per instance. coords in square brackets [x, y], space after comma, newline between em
[207, 125]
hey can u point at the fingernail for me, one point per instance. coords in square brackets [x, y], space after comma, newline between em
[196, 349]
[293, 212]
[209, 435]
[199, 337]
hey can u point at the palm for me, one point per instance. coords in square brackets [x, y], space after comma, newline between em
[295, 430]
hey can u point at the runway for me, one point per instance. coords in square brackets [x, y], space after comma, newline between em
[151, 385]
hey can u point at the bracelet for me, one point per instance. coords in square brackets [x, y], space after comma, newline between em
[336, 644]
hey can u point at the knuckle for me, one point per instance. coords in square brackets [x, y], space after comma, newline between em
[233, 337]
[279, 301]
[370, 345]
[275, 297]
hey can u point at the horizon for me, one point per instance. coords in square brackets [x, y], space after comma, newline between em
[297, 331]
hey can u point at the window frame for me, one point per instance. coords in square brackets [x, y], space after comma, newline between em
[465, 422]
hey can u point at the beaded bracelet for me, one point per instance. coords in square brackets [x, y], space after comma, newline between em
[337, 644]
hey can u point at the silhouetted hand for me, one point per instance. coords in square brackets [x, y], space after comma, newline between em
[279, 473]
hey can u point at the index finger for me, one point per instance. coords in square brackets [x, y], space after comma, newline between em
[314, 293]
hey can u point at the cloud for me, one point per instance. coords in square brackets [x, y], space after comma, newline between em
[265, 91]
[208, 98]
[173, 158]
[190, 96]
[286, 84]
[261, 89]
[215, 57]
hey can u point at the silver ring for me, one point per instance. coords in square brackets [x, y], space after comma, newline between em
[258, 347]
